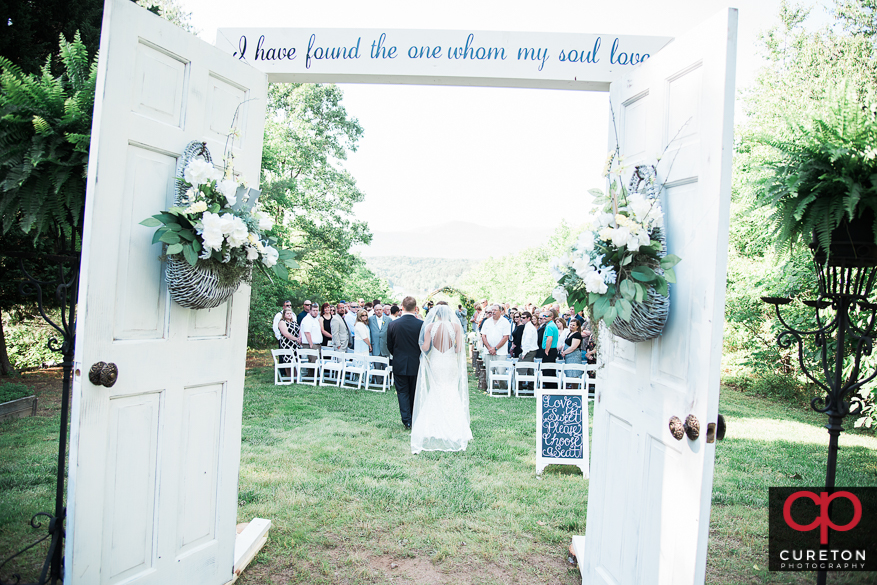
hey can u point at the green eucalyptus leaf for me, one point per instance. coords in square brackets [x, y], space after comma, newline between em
[596, 192]
[281, 271]
[640, 292]
[625, 309]
[643, 274]
[670, 275]
[174, 249]
[186, 235]
[669, 261]
[548, 301]
[601, 306]
[661, 286]
[196, 244]
[291, 264]
[627, 260]
[156, 237]
[190, 254]
[170, 238]
[610, 315]
[165, 218]
[150, 222]
[174, 226]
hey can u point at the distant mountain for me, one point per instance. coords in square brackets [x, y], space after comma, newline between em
[418, 276]
[457, 239]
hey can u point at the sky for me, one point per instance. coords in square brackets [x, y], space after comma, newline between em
[490, 156]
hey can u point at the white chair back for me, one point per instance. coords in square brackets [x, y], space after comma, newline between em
[332, 363]
[574, 376]
[500, 371]
[378, 373]
[284, 372]
[550, 373]
[355, 367]
[526, 373]
[305, 365]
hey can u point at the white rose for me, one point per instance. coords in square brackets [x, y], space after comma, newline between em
[226, 223]
[266, 222]
[555, 273]
[559, 294]
[586, 241]
[270, 256]
[582, 266]
[594, 283]
[239, 233]
[229, 189]
[199, 171]
[252, 253]
[620, 236]
[197, 207]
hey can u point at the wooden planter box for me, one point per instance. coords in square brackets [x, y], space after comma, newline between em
[20, 408]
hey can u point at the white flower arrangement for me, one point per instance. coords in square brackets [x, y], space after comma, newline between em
[615, 259]
[209, 229]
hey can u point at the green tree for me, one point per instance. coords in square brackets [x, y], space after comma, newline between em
[802, 67]
[308, 134]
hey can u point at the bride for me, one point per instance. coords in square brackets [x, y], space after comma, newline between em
[441, 403]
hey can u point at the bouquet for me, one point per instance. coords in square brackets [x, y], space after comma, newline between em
[620, 257]
[209, 225]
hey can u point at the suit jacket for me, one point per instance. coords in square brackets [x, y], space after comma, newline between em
[340, 333]
[379, 335]
[403, 335]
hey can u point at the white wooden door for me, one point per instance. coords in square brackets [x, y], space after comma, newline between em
[154, 459]
[649, 494]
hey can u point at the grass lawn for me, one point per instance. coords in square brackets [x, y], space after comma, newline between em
[349, 503]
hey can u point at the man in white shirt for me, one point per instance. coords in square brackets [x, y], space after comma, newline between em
[277, 318]
[495, 333]
[311, 334]
[529, 340]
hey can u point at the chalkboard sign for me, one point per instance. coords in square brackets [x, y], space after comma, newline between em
[562, 425]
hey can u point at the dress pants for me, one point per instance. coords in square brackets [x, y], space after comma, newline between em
[405, 388]
[550, 358]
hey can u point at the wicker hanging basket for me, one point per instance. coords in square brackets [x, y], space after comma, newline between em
[647, 319]
[200, 286]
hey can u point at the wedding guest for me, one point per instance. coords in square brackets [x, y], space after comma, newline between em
[361, 339]
[495, 333]
[476, 318]
[325, 322]
[572, 352]
[461, 315]
[369, 309]
[311, 335]
[340, 332]
[290, 338]
[277, 318]
[394, 312]
[562, 332]
[529, 341]
[350, 318]
[305, 310]
[517, 336]
[377, 329]
[549, 344]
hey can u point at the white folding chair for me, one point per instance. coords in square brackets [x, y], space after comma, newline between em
[500, 371]
[592, 382]
[375, 374]
[355, 365]
[522, 377]
[331, 363]
[573, 376]
[281, 379]
[305, 365]
[549, 373]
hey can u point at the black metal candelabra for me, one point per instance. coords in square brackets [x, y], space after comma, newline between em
[844, 287]
[63, 285]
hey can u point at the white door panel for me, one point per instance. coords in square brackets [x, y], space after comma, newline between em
[152, 494]
[649, 496]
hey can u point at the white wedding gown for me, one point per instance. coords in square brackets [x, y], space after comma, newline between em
[440, 420]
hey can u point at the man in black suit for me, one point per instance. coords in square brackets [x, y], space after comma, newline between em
[403, 336]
